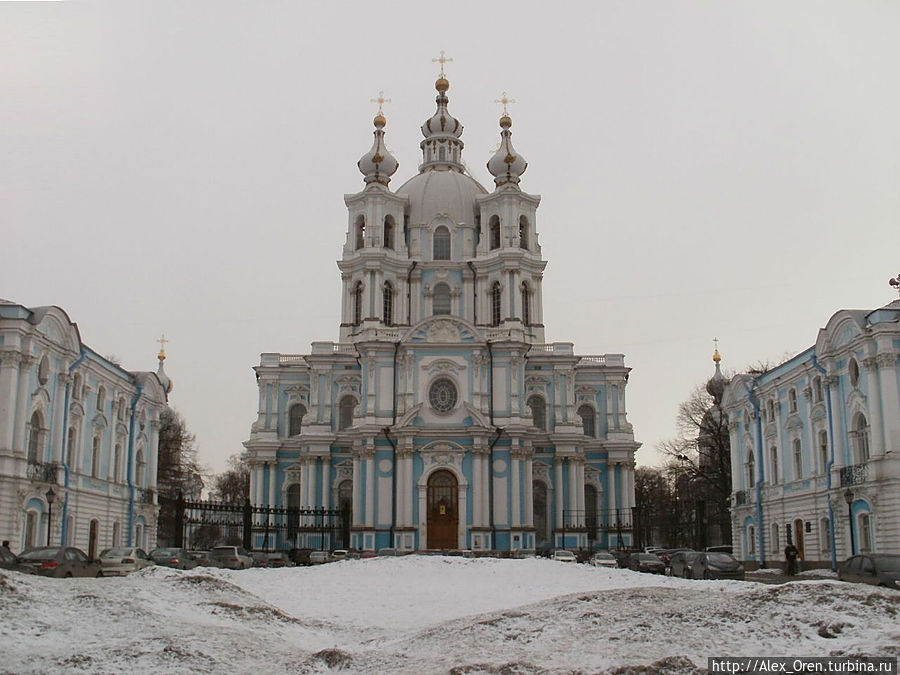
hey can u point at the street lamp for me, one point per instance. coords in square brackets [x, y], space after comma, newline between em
[848, 497]
[51, 497]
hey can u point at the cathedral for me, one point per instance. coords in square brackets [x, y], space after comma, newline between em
[442, 419]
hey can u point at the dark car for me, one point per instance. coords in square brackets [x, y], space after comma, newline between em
[300, 556]
[178, 558]
[646, 562]
[10, 561]
[260, 559]
[666, 554]
[878, 569]
[61, 562]
[279, 560]
[681, 564]
[716, 566]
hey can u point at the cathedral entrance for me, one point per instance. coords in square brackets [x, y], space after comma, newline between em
[443, 511]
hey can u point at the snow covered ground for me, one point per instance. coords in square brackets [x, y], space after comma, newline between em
[427, 614]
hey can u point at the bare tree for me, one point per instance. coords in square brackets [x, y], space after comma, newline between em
[233, 485]
[178, 473]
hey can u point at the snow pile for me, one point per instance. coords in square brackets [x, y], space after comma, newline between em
[426, 614]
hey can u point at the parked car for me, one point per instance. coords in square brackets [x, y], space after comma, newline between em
[177, 558]
[117, 562]
[231, 557]
[300, 556]
[878, 569]
[61, 561]
[622, 557]
[716, 566]
[260, 559]
[10, 561]
[319, 557]
[652, 549]
[603, 559]
[681, 563]
[562, 555]
[524, 553]
[340, 554]
[202, 558]
[280, 560]
[646, 562]
[723, 548]
[666, 554]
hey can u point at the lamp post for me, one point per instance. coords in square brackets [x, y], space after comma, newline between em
[51, 497]
[848, 497]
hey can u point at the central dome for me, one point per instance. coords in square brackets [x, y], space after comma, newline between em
[441, 191]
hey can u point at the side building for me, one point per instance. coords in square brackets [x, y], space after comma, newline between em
[815, 446]
[442, 419]
[78, 438]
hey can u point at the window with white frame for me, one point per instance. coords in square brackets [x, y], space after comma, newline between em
[587, 420]
[750, 469]
[346, 408]
[526, 304]
[751, 540]
[792, 400]
[35, 433]
[770, 410]
[95, 457]
[818, 393]
[295, 419]
[440, 299]
[71, 440]
[823, 451]
[101, 398]
[861, 438]
[798, 459]
[387, 304]
[496, 299]
[360, 231]
[865, 533]
[441, 243]
[538, 412]
[494, 226]
[389, 228]
[140, 473]
[773, 454]
[117, 462]
[357, 303]
[523, 232]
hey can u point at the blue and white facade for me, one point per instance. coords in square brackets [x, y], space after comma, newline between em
[816, 432]
[75, 423]
[442, 418]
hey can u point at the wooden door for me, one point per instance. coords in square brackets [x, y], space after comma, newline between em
[443, 511]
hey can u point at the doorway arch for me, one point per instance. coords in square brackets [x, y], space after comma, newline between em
[443, 510]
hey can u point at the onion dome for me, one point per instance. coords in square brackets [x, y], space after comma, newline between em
[442, 148]
[164, 380]
[715, 387]
[378, 164]
[506, 166]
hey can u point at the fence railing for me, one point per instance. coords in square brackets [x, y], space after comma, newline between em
[42, 471]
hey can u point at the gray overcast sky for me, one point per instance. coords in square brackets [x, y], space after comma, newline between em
[707, 169]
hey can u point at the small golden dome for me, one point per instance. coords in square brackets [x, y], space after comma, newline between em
[162, 355]
[505, 122]
[442, 84]
[716, 356]
[379, 120]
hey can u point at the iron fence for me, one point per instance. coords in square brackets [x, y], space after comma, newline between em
[854, 475]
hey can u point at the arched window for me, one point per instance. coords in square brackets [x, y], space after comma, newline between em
[122, 408]
[389, 232]
[140, 470]
[865, 533]
[441, 243]
[295, 419]
[817, 390]
[34, 438]
[76, 387]
[70, 446]
[853, 370]
[494, 226]
[347, 406]
[526, 304]
[441, 299]
[587, 420]
[861, 436]
[751, 470]
[770, 410]
[101, 396]
[538, 412]
[792, 400]
[523, 232]
[751, 540]
[357, 303]
[496, 297]
[360, 231]
[823, 450]
[773, 454]
[95, 457]
[388, 304]
[798, 459]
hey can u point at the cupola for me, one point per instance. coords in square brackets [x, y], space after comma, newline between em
[506, 166]
[378, 164]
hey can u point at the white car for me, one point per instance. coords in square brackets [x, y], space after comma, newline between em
[117, 562]
[562, 555]
[603, 559]
[231, 557]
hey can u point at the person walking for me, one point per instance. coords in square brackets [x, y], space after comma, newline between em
[790, 556]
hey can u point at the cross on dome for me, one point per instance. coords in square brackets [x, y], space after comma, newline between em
[381, 100]
[504, 100]
[162, 347]
[442, 60]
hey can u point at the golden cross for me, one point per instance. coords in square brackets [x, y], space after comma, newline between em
[505, 101]
[162, 343]
[381, 100]
[716, 341]
[442, 60]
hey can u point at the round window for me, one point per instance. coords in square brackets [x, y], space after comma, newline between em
[442, 395]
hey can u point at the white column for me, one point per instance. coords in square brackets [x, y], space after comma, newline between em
[837, 420]
[59, 405]
[611, 486]
[370, 488]
[9, 362]
[875, 423]
[273, 474]
[486, 478]
[476, 490]
[529, 492]
[252, 483]
[890, 400]
[305, 480]
[516, 492]
[326, 482]
[152, 451]
[580, 493]
[357, 492]
[558, 489]
[573, 490]
[21, 401]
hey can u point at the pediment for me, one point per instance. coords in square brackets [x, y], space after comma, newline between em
[442, 330]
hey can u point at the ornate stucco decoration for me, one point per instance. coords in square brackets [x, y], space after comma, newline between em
[343, 471]
[441, 453]
[292, 475]
[541, 470]
[348, 384]
[536, 384]
[444, 366]
[298, 393]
